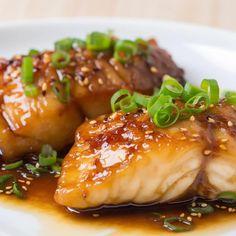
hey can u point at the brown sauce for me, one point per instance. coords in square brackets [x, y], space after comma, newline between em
[39, 197]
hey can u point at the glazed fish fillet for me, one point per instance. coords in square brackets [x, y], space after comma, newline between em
[125, 158]
[28, 123]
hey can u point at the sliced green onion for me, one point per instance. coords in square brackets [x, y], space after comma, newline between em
[48, 156]
[125, 50]
[212, 88]
[127, 104]
[60, 59]
[116, 97]
[27, 70]
[190, 91]
[14, 165]
[35, 170]
[140, 99]
[171, 86]
[169, 224]
[201, 207]
[64, 44]
[33, 52]
[166, 115]
[227, 197]
[17, 190]
[62, 90]
[4, 179]
[197, 103]
[97, 41]
[56, 168]
[79, 43]
[31, 90]
[230, 97]
[156, 102]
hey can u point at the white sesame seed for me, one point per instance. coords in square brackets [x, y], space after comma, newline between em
[100, 81]
[182, 215]
[194, 214]
[21, 181]
[203, 205]
[44, 86]
[223, 207]
[8, 187]
[1, 191]
[207, 152]
[192, 118]
[24, 187]
[96, 215]
[183, 138]
[223, 147]
[90, 87]
[93, 122]
[183, 129]
[199, 215]
[8, 192]
[194, 204]
[189, 218]
[195, 135]
[154, 69]
[230, 123]
[149, 132]
[210, 120]
[224, 140]
[28, 182]
[86, 81]
[85, 69]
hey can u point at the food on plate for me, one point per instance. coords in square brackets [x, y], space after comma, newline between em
[45, 96]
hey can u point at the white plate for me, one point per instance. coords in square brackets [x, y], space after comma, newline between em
[203, 52]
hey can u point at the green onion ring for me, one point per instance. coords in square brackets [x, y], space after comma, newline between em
[60, 59]
[64, 44]
[4, 179]
[31, 90]
[168, 224]
[212, 88]
[227, 197]
[115, 99]
[190, 91]
[171, 86]
[47, 156]
[14, 165]
[207, 209]
[127, 104]
[17, 190]
[230, 97]
[194, 103]
[33, 52]
[27, 70]
[97, 41]
[165, 116]
[140, 99]
[61, 88]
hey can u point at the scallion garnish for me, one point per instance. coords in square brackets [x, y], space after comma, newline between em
[79, 43]
[33, 52]
[227, 197]
[169, 223]
[171, 102]
[27, 70]
[31, 90]
[47, 156]
[62, 90]
[4, 179]
[60, 59]
[201, 207]
[125, 50]
[64, 44]
[212, 88]
[97, 41]
[17, 190]
[14, 165]
[230, 97]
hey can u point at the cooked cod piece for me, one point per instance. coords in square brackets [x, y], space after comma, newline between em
[125, 158]
[27, 123]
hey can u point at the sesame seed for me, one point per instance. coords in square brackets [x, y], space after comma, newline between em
[44, 86]
[93, 122]
[199, 215]
[183, 129]
[203, 205]
[28, 182]
[37, 165]
[192, 118]
[183, 138]
[57, 176]
[29, 178]
[230, 123]
[154, 70]
[223, 147]
[210, 120]
[1, 191]
[100, 81]
[223, 207]
[189, 218]
[207, 152]
[81, 83]
[85, 69]
[163, 217]
[8, 187]
[21, 181]
[182, 215]
[90, 87]
[96, 215]
[211, 105]
[224, 140]
[149, 132]
[73, 63]
[195, 135]
[217, 206]
[194, 204]
[230, 209]
[8, 192]
[24, 187]
[194, 214]
[192, 140]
